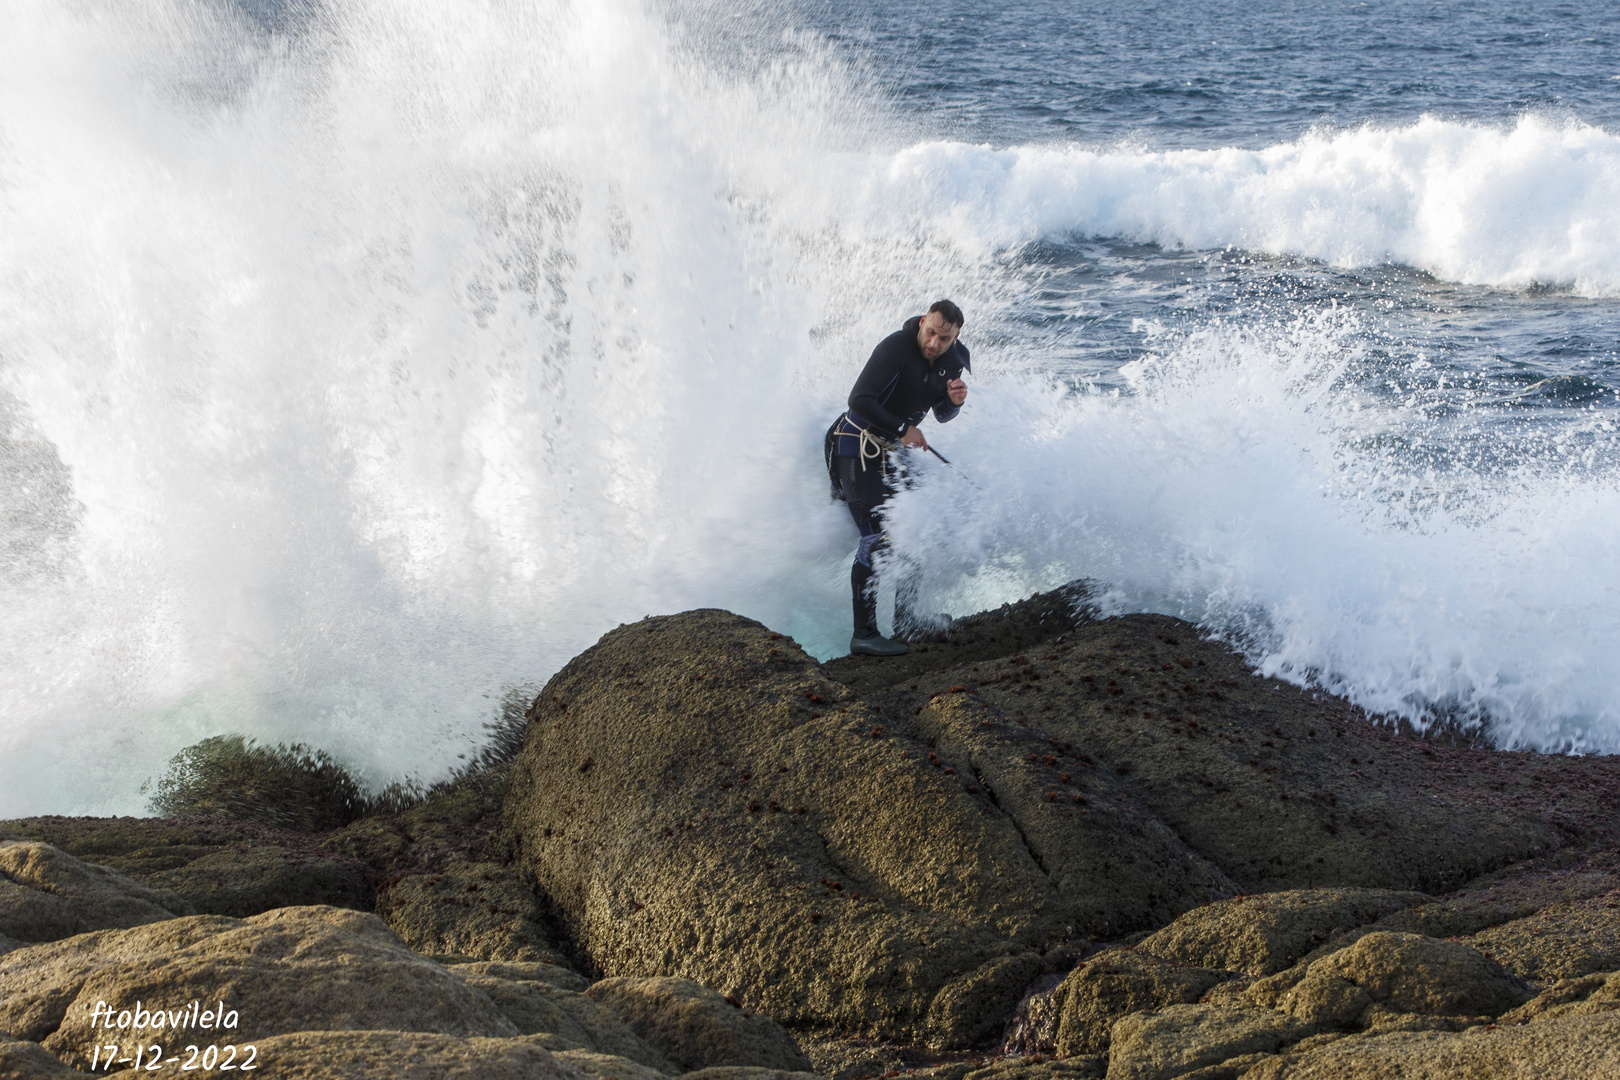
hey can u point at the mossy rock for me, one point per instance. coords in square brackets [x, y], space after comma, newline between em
[1561, 941]
[216, 867]
[1503, 896]
[137, 846]
[1117, 867]
[1269, 932]
[293, 969]
[402, 1055]
[522, 971]
[606, 1066]
[1117, 983]
[567, 1018]
[1566, 1048]
[1588, 995]
[457, 822]
[469, 910]
[1389, 981]
[247, 882]
[696, 1028]
[658, 802]
[1027, 1067]
[1274, 786]
[1116, 774]
[47, 894]
[1176, 1040]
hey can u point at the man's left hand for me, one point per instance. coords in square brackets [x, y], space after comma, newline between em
[956, 390]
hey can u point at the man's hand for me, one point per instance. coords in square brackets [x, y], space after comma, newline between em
[956, 390]
[914, 439]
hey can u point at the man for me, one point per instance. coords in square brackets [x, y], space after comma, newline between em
[915, 369]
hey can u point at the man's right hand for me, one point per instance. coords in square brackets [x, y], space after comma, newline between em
[914, 439]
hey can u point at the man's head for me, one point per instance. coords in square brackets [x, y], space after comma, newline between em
[938, 329]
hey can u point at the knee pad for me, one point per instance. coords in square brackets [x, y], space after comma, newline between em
[871, 544]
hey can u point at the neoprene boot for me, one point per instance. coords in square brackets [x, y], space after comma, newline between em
[876, 645]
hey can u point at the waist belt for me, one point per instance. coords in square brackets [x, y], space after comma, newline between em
[872, 445]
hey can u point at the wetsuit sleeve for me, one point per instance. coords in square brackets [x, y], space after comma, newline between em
[880, 373]
[943, 409]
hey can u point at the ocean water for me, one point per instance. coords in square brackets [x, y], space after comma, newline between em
[362, 361]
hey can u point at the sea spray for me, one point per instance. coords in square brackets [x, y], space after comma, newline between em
[356, 371]
[1253, 485]
[392, 363]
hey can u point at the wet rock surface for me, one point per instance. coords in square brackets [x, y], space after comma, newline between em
[469, 909]
[405, 1055]
[289, 970]
[1115, 866]
[1178, 1039]
[1115, 984]
[702, 801]
[568, 1018]
[1561, 941]
[1572, 1047]
[21, 1060]
[47, 894]
[1276, 787]
[1263, 934]
[1180, 869]
[697, 1028]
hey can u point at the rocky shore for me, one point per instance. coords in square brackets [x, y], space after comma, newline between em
[1049, 846]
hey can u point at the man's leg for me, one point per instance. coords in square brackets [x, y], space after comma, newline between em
[866, 491]
[863, 587]
[911, 623]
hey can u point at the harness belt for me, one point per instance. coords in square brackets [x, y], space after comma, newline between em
[872, 446]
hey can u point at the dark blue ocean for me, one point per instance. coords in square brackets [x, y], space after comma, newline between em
[1220, 76]
[362, 361]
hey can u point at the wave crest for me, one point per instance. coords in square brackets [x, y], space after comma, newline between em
[1535, 203]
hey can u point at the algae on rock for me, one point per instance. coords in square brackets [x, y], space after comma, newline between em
[697, 1028]
[1117, 983]
[403, 1055]
[1587, 995]
[1265, 933]
[1566, 1048]
[469, 910]
[568, 1017]
[294, 969]
[1561, 941]
[46, 894]
[1177, 1039]
[701, 801]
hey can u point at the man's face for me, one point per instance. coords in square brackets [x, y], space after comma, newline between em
[935, 335]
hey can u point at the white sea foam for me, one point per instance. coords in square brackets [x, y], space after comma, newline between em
[1536, 202]
[1248, 486]
[349, 379]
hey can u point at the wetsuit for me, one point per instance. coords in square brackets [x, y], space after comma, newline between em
[896, 389]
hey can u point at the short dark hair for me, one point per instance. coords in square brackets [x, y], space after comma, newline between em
[950, 311]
